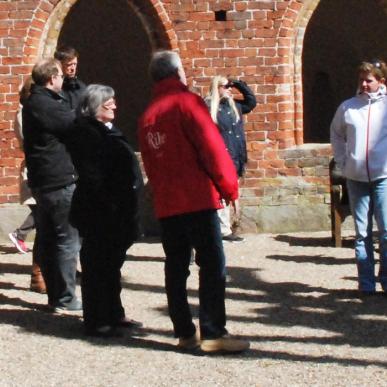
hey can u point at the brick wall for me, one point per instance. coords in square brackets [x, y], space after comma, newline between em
[260, 42]
[15, 17]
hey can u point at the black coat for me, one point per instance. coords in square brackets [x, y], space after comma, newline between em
[72, 89]
[105, 201]
[47, 121]
[232, 130]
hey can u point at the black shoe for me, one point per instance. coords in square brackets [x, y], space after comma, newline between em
[73, 306]
[233, 238]
[368, 293]
[105, 332]
[128, 323]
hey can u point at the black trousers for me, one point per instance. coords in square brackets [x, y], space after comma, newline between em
[201, 231]
[101, 261]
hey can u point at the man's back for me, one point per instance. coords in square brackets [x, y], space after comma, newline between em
[46, 122]
[183, 153]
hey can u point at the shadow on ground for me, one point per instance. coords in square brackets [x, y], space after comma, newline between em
[4, 249]
[312, 241]
[344, 318]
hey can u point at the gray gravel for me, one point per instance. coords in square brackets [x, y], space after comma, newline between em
[293, 296]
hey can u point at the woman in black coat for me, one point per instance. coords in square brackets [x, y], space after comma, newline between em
[227, 113]
[104, 208]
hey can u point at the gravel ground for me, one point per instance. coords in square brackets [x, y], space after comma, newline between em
[293, 296]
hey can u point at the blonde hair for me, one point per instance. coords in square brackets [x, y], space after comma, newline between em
[377, 68]
[214, 98]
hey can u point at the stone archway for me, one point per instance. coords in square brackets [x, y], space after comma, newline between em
[115, 42]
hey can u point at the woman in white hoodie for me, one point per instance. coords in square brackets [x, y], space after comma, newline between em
[359, 141]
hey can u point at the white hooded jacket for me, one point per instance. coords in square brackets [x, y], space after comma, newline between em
[359, 137]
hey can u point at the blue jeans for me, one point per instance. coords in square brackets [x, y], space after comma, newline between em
[201, 231]
[57, 244]
[368, 200]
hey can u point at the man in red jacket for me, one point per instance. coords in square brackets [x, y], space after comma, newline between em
[189, 171]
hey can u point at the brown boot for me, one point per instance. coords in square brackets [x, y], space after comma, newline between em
[37, 282]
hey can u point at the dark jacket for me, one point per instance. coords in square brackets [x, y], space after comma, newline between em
[105, 201]
[232, 130]
[72, 90]
[47, 120]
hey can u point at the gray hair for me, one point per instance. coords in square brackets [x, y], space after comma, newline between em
[93, 97]
[164, 64]
[44, 70]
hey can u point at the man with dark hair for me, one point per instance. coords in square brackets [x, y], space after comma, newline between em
[189, 171]
[47, 120]
[72, 87]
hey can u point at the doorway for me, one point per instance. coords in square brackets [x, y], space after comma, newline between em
[339, 36]
[115, 50]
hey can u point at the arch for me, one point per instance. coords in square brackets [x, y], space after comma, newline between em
[329, 74]
[295, 20]
[48, 19]
[58, 23]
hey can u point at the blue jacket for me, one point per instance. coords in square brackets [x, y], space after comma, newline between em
[232, 130]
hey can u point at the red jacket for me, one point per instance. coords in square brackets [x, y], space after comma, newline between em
[185, 158]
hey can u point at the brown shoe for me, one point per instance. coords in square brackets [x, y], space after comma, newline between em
[189, 343]
[37, 282]
[224, 344]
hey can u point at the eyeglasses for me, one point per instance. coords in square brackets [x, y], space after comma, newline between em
[60, 75]
[110, 104]
[226, 86]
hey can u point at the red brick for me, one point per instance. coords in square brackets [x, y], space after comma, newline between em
[221, 6]
[267, 164]
[289, 172]
[7, 181]
[202, 16]
[256, 44]
[271, 172]
[4, 199]
[240, 5]
[9, 189]
[254, 174]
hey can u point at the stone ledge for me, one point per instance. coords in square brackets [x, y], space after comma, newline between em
[288, 218]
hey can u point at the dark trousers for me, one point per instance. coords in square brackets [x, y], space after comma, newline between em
[57, 244]
[101, 261]
[200, 230]
[28, 225]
